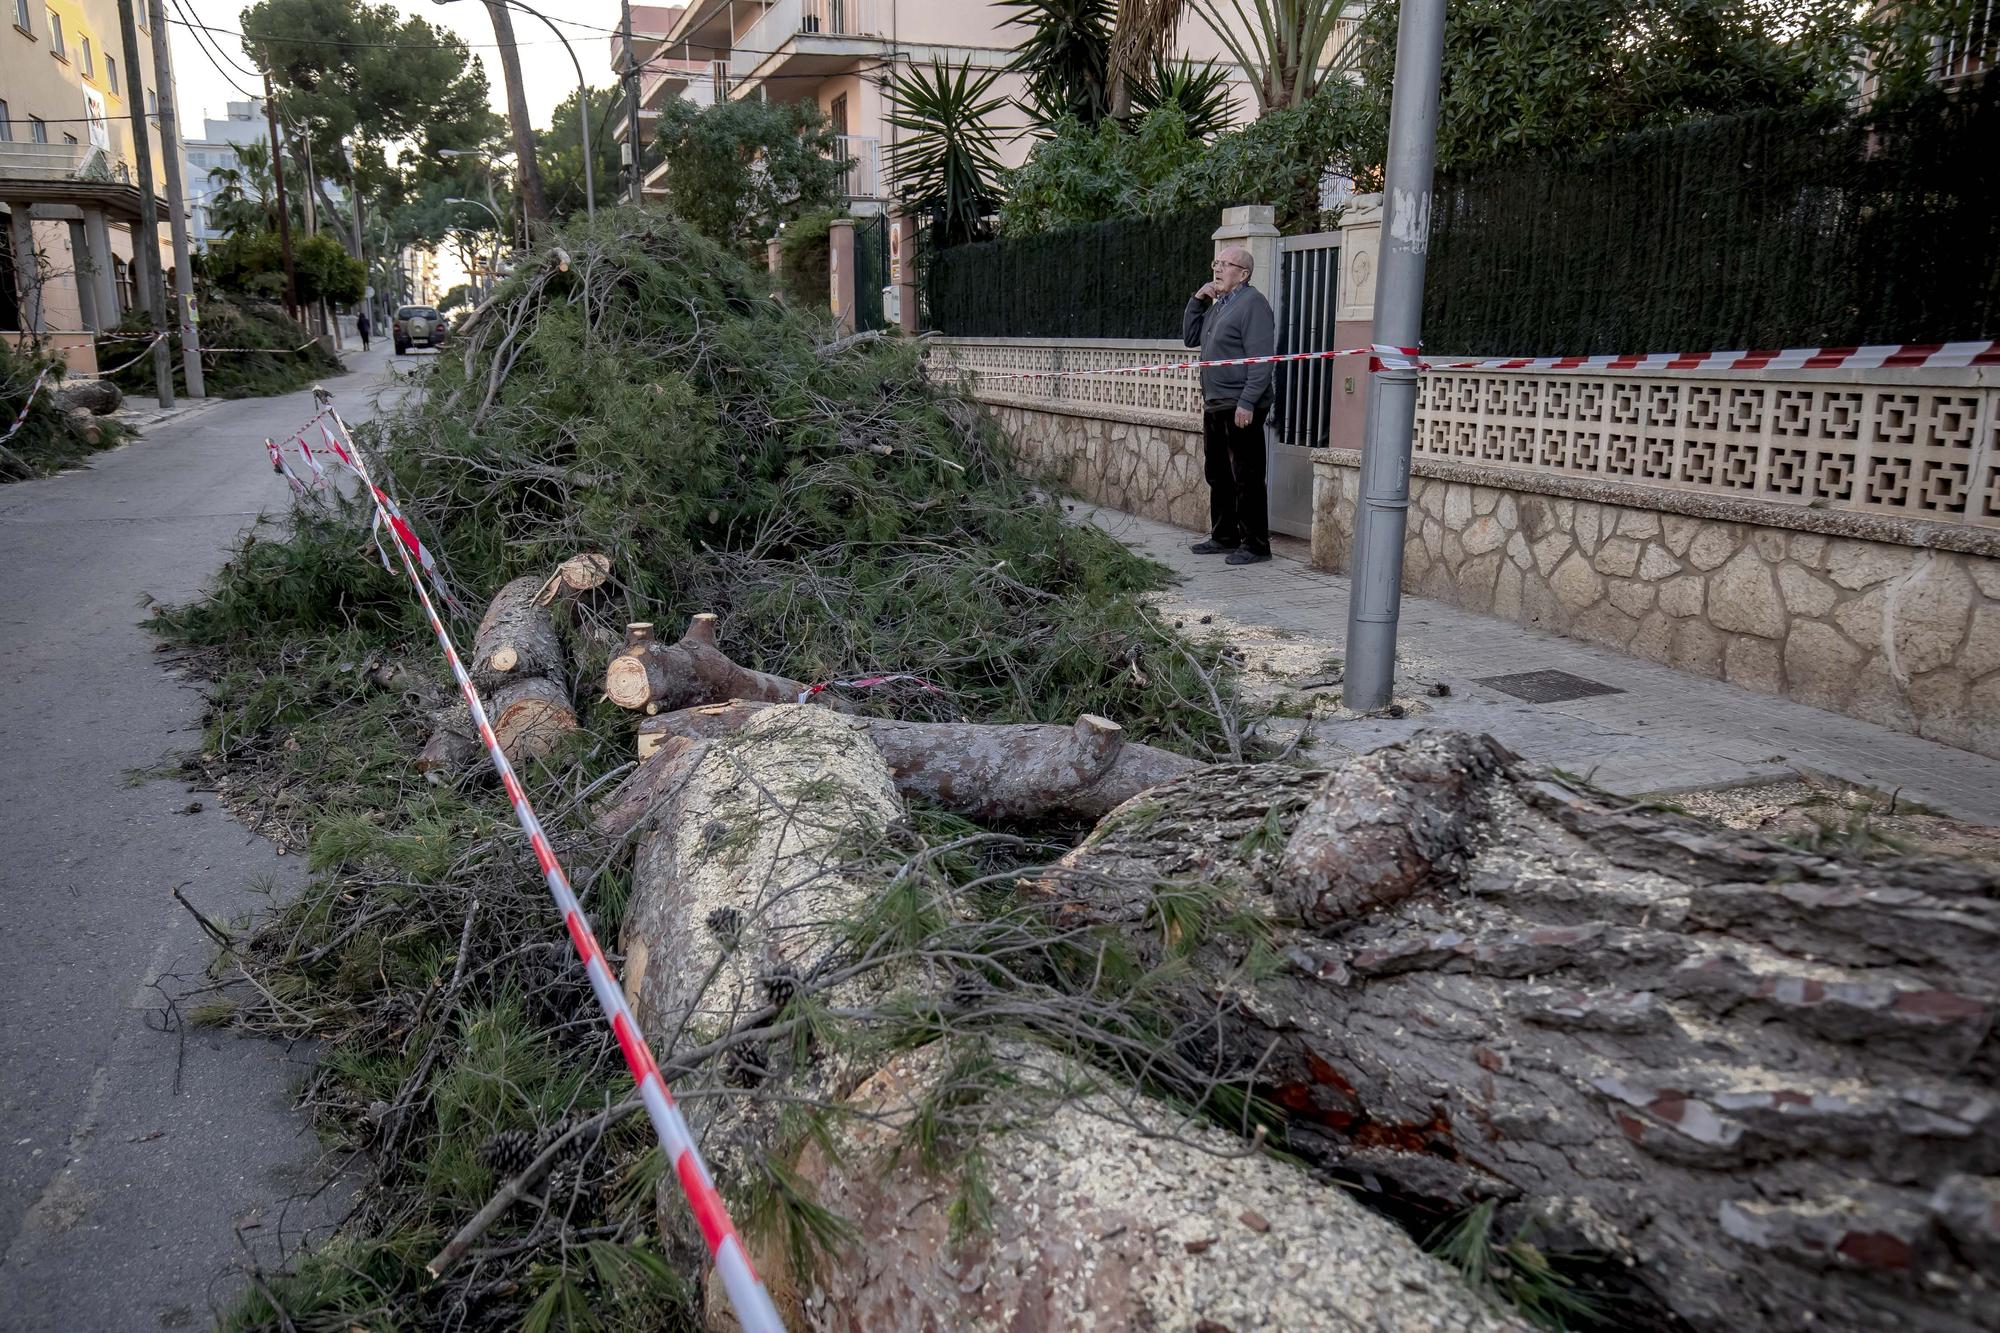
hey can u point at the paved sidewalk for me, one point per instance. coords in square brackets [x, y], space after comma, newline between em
[1663, 731]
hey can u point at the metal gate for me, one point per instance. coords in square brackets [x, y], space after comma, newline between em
[871, 270]
[1308, 273]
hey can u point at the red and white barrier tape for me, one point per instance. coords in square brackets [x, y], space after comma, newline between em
[21, 417]
[752, 1303]
[864, 683]
[1894, 356]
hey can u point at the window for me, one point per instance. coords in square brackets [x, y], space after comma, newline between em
[837, 114]
[21, 19]
[89, 58]
[6, 125]
[111, 73]
[56, 47]
[38, 129]
[70, 139]
[152, 103]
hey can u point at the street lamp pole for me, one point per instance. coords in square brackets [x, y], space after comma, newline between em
[582, 102]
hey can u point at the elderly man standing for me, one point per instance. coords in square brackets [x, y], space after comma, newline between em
[1228, 318]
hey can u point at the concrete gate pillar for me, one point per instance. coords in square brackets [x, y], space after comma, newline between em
[1254, 227]
[1354, 316]
[903, 266]
[840, 273]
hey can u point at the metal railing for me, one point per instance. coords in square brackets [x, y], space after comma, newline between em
[864, 166]
[788, 19]
[61, 162]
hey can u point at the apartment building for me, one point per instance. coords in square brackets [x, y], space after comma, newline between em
[68, 185]
[838, 54]
[215, 150]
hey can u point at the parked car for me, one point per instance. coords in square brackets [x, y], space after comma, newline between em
[418, 326]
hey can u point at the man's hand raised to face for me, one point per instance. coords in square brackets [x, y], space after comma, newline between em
[1209, 291]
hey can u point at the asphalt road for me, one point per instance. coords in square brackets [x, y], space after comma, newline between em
[141, 1163]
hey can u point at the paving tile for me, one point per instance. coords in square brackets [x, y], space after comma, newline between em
[1667, 731]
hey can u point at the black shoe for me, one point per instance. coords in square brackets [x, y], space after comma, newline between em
[1212, 547]
[1247, 557]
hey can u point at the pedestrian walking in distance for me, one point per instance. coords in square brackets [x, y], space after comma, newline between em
[361, 327]
[1228, 319]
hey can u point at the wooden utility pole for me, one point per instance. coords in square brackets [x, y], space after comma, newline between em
[146, 235]
[534, 199]
[284, 211]
[170, 148]
[635, 183]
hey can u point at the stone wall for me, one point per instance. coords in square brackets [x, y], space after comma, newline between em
[1138, 467]
[1893, 620]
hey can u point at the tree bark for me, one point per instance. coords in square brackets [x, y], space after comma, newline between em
[1762, 1076]
[991, 773]
[521, 669]
[534, 199]
[517, 639]
[647, 674]
[1107, 1212]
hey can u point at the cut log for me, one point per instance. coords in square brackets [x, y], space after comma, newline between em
[84, 426]
[98, 397]
[1103, 1214]
[531, 718]
[995, 773]
[517, 639]
[1764, 1077]
[658, 677]
[574, 577]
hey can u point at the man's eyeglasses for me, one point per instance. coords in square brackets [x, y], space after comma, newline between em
[1225, 263]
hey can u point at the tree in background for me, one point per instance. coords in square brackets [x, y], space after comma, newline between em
[560, 150]
[347, 71]
[1066, 57]
[1156, 167]
[252, 263]
[1200, 91]
[534, 198]
[1141, 42]
[1283, 45]
[947, 166]
[1534, 75]
[741, 168]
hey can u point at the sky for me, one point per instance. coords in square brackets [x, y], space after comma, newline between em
[545, 67]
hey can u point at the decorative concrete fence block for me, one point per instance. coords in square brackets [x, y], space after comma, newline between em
[1893, 620]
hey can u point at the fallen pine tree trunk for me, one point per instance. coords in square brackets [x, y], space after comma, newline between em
[657, 677]
[991, 773]
[1763, 1077]
[1104, 1211]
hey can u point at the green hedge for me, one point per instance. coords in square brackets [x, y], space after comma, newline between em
[1128, 278]
[1775, 229]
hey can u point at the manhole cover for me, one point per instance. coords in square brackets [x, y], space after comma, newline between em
[1547, 687]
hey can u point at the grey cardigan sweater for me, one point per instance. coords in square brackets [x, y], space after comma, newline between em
[1243, 326]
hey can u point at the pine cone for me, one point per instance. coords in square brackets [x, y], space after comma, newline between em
[727, 925]
[508, 1153]
[577, 1148]
[780, 983]
[563, 1188]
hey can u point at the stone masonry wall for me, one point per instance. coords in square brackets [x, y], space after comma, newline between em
[1142, 468]
[1894, 622]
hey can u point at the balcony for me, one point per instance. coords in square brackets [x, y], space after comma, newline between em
[803, 28]
[59, 162]
[864, 165]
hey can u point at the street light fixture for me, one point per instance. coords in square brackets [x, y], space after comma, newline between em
[582, 102]
[499, 233]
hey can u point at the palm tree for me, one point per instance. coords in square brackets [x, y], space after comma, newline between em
[246, 197]
[1289, 47]
[1143, 39]
[1066, 56]
[948, 167]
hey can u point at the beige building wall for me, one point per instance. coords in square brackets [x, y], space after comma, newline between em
[63, 64]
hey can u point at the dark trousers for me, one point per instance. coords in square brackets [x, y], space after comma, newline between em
[1233, 460]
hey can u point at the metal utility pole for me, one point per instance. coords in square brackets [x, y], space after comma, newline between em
[170, 148]
[1375, 597]
[284, 211]
[146, 236]
[633, 181]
